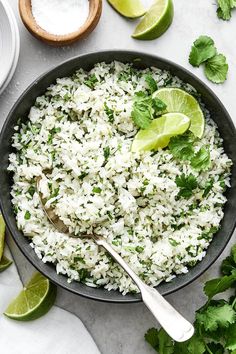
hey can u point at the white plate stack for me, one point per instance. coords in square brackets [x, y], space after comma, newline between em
[9, 44]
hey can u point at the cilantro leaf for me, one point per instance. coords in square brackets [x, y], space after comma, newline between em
[216, 69]
[219, 285]
[181, 146]
[214, 317]
[158, 105]
[186, 183]
[91, 81]
[142, 112]
[160, 341]
[228, 265]
[224, 9]
[203, 49]
[152, 338]
[194, 345]
[233, 253]
[166, 345]
[151, 83]
[145, 108]
[231, 337]
[201, 161]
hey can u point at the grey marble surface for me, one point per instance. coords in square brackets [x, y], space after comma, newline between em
[119, 329]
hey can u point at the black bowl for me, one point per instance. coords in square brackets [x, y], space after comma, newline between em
[140, 60]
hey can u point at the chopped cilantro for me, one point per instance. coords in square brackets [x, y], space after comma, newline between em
[202, 50]
[97, 190]
[151, 83]
[208, 187]
[27, 215]
[83, 274]
[106, 152]
[91, 81]
[201, 161]
[79, 259]
[83, 175]
[139, 249]
[186, 183]
[31, 190]
[173, 242]
[109, 112]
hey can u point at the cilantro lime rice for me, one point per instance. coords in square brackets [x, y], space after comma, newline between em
[159, 210]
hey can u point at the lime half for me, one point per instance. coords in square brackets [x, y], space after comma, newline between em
[2, 235]
[159, 132]
[128, 8]
[179, 101]
[34, 301]
[156, 21]
[4, 263]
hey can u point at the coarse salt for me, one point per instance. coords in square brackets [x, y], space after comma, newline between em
[60, 17]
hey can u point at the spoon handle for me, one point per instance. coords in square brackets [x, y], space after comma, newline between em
[169, 318]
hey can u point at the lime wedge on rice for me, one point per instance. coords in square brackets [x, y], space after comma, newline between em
[4, 263]
[156, 21]
[34, 301]
[128, 8]
[179, 101]
[2, 235]
[159, 132]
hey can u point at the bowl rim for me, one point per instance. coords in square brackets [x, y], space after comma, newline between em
[125, 299]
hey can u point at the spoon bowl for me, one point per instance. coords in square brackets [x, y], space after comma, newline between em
[95, 10]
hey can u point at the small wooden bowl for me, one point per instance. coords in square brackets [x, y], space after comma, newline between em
[95, 10]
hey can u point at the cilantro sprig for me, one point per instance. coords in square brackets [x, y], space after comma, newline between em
[215, 322]
[181, 147]
[145, 109]
[204, 52]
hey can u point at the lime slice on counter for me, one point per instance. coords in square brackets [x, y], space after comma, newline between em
[4, 263]
[34, 301]
[128, 8]
[159, 132]
[156, 21]
[2, 235]
[180, 101]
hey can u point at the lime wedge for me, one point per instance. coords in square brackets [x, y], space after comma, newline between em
[128, 8]
[159, 132]
[34, 301]
[2, 235]
[4, 263]
[179, 101]
[156, 21]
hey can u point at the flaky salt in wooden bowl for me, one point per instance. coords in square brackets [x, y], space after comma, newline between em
[95, 10]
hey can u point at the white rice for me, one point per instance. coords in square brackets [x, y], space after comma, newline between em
[133, 205]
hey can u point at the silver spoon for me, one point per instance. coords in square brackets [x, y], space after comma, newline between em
[169, 318]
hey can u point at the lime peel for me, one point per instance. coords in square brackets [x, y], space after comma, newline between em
[2, 235]
[128, 8]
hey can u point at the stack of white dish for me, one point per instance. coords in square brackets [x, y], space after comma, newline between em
[9, 44]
